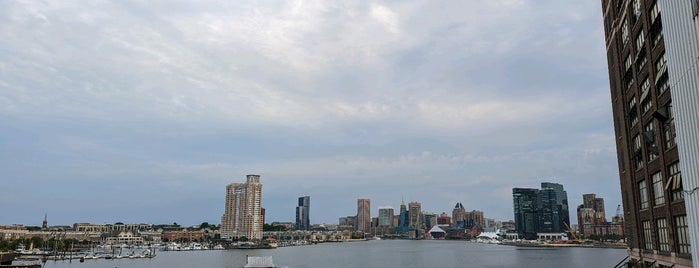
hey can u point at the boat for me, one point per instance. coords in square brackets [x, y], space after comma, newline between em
[252, 245]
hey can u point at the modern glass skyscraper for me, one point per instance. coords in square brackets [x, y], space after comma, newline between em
[526, 216]
[553, 208]
[302, 213]
[242, 216]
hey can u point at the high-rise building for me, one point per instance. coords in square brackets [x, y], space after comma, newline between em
[363, 215]
[303, 221]
[458, 215]
[557, 205]
[646, 95]
[403, 218]
[474, 219]
[415, 215]
[243, 210]
[385, 217]
[525, 208]
[592, 219]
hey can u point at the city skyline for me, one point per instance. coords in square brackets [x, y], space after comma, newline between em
[145, 113]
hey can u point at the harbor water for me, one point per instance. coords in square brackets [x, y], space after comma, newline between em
[379, 253]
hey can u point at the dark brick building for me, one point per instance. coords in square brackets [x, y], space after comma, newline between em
[653, 201]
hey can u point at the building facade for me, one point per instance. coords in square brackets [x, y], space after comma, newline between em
[386, 217]
[458, 215]
[644, 103]
[363, 215]
[525, 208]
[415, 215]
[243, 215]
[303, 221]
[553, 204]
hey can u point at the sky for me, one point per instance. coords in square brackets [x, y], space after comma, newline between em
[143, 111]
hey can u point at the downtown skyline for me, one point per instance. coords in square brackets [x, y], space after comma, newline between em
[147, 112]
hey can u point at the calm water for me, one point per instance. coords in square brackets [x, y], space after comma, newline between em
[384, 254]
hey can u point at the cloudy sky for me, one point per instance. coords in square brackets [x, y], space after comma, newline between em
[143, 111]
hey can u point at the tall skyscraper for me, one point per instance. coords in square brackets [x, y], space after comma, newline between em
[647, 93]
[559, 207]
[415, 215]
[525, 208]
[363, 215]
[243, 210]
[302, 213]
[403, 218]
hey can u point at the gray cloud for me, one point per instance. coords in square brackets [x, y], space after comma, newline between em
[144, 106]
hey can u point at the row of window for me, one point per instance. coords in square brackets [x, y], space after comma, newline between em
[647, 138]
[663, 236]
[673, 184]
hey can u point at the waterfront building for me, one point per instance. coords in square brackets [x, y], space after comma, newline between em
[243, 210]
[444, 219]
[591, 215]
[553, 208]
[124, 237]
[458, 215]
[474, 218]
[302, 213]
[655, 109]
[347, 223]
[403, 218]
[415, 215]
[363, 215]
[183, 235]
[429, 219]
[525, 210]
[386, 217]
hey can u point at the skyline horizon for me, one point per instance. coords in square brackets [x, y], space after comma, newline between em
[374, 213]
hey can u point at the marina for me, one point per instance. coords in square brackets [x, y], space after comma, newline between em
[374, 253]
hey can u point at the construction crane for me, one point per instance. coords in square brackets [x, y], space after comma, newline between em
[572, 233]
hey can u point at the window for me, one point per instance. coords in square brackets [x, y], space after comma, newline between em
[663, 237]
[636, 10]
[640, 40]
[669, 127]
[649, 136]
[633, 115]
[625, 32]
[661, 85]
[636, 143]
[674, 182]
[646, 103]
[654, 12]
[681, 230]
[660, 65]
[628, 62]
[642, 188]
[658, 189]
[647, 235]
